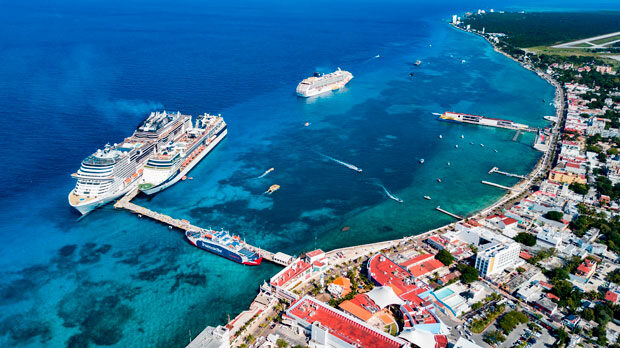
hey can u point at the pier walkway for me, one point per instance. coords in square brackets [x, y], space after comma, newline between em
[516, 135]
[458, 217]
[497, 185]
[496, 170]
[125, 203]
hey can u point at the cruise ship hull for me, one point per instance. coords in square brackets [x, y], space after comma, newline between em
[315, 92]
[93, 204]
[223, 252]
[173, 179]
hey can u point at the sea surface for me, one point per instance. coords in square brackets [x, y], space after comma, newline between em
[75, 75]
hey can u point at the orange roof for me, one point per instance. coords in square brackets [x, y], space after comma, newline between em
[386, 319]
[425, 267]
[356, 310]
[417, 259]
[345, 283]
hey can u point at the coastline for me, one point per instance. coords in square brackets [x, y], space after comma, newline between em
[249, 317]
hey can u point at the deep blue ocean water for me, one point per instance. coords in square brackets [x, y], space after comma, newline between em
[76, 75]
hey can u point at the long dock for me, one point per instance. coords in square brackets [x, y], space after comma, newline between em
[125, 203]
[497, 185]
[458, 217]
[516, 135]
[496, 170]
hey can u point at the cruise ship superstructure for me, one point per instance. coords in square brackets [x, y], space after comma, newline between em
[116, 169]
[318, 83]
[176, 157]
[223, 244]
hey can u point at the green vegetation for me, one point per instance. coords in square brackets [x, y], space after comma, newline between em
[494, 337]
[610, 228]
[580, 189]
[511, 319]
[541, 255]
[525, 238]
[281, 343]
[554, 215]
[546, 28]
[469, 274]
[477, 326]
[604, 186]
[445, 257]
[614, 276]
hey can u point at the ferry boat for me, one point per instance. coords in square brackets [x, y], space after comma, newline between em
[223, 244]
[318, 83]
[116, 169]
[177, 157]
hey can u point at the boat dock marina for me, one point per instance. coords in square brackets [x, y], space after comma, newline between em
[125, 203]
[449, 116]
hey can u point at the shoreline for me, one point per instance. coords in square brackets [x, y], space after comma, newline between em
[516, 190]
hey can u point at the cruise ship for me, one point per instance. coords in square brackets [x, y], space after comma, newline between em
[318, 83]
[174, 159]
[223, 244]
[116, 169]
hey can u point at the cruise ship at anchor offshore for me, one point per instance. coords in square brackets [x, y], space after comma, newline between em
[175, 158]
[117, 169]
[318, 83]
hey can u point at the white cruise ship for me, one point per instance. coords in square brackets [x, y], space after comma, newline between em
[175, 159]
[318, 84]
[115, 170]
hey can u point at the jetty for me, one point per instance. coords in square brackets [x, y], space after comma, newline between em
[516, 135]
[458, 117]
[182, 224]
[458, 217]
[497, 185]
[496, 170]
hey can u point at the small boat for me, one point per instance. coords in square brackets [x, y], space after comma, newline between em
[421, 160]
[411, 74]
[272, 189]
[378, 56]
[462, 136]
[471, 143]
[481, 145]
[438, 180]
[440, 136]
[417, 63]
[184, 177]
[495, 150]
[448, 163]
[456, 146]
[463, 61]
[190, 178]
[427, 197]
[306, 124]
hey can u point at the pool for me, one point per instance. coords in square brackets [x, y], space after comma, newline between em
[443, 293]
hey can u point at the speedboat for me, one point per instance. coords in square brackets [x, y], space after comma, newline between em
[438, 180]
[422, 160]
[481, 145]
[427, 197]
[456, 146]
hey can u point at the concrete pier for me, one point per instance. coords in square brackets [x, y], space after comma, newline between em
[516, 135]
[496, 170]
[497, 185]
[449, 213]
[125, 203]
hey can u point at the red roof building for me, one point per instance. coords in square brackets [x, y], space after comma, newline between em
[612, 297]
[326, 324]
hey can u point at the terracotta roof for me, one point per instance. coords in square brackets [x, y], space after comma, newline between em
[314, 253]
[416, 260]
[509, 221]
[425, 267]
[356, 310]
[611, 296]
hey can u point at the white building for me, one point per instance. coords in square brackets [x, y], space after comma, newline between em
[549, 238]
[212, 337]
[495, 257]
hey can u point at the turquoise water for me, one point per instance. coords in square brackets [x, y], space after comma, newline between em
[75, 77]
[443, 293]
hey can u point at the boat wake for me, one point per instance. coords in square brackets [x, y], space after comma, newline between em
[348, 165]
[436, 114]
[265, 173]
[391, 196]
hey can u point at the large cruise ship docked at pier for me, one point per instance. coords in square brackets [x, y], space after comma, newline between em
[174, 159]
[223, 244]
[116, 169]
[318, 83]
